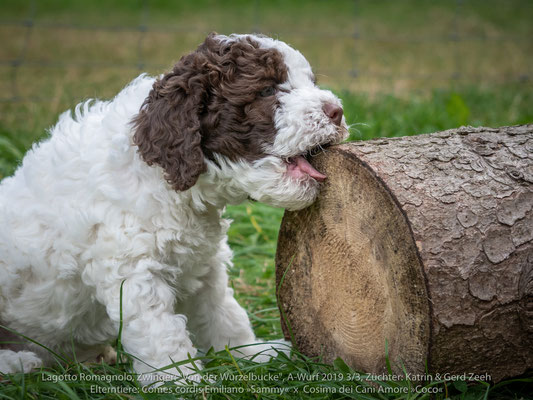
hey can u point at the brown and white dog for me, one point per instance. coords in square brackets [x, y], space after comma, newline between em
[132, 191]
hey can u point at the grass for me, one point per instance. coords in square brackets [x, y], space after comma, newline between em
[224, 377]
[412, 77]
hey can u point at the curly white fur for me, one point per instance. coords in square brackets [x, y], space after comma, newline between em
[84, 214]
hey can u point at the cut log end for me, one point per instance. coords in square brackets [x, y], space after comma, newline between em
[355, 230]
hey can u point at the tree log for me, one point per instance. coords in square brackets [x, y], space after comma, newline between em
[424, 243]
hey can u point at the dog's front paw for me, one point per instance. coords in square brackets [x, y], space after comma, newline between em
[263, 351]
[22, 361]
[108, 356]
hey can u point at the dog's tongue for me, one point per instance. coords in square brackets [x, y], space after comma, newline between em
[300, 167]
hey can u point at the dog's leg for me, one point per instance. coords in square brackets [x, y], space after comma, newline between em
[18, 361]
[217, 320]
[108, 355]
[151, 332]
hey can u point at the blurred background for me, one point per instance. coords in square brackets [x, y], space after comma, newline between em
[401, 67]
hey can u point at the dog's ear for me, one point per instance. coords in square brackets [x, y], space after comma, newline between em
[167, 128]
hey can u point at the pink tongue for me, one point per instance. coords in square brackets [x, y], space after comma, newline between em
[301, 167]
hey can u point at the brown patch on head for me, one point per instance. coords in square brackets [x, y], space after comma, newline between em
[210, 102]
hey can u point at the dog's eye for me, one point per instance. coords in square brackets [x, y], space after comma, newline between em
[268, 91]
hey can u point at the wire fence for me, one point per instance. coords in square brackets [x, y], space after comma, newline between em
[353, 67]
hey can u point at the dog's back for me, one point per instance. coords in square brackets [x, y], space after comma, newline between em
[48, 211]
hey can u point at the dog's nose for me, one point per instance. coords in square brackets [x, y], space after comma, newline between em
[334, 112]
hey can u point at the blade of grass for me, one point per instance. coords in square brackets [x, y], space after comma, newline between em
[280, 304]
[34, 342]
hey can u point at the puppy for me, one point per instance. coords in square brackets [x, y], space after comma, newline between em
[129, 194]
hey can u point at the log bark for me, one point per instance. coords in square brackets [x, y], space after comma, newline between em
[424, 243]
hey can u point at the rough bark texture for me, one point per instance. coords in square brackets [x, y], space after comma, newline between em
[425, 242]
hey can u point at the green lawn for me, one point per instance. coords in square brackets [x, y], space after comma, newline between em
[397, 68]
